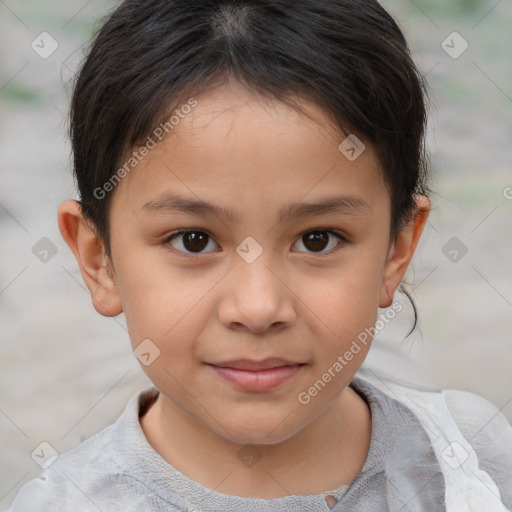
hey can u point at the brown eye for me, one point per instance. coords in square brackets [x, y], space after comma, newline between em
[320, 239]
[191, 241]
[316, 240]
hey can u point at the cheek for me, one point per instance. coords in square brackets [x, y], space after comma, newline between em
[346, 303]
[154, 299]
[348, 296]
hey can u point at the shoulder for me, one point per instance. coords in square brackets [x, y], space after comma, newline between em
[63, 484]
[90, 476]
[479, 419]
[470, 435]
[481, 422]
[489, 433]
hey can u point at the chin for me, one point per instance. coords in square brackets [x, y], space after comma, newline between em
[257, 432]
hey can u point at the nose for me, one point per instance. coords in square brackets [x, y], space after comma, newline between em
[256, 297]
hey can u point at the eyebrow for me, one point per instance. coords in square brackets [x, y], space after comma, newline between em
[333, 204]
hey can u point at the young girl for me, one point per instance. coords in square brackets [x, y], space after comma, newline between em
[252, 185]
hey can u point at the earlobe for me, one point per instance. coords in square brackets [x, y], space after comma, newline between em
[91, 258]
[402, 251]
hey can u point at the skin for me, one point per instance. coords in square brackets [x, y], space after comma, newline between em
[242, 152]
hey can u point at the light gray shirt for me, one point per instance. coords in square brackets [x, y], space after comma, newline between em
[118, 470]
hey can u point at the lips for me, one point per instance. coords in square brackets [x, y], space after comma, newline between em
[257, 376]
[251, 365]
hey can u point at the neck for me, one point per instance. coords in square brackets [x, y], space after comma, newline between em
[326, 454]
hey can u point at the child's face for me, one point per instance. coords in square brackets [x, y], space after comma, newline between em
[221, 304]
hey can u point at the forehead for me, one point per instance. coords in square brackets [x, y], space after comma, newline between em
[236, 147]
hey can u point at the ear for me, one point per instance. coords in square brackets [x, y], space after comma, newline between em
[97, 270]
[402, 251]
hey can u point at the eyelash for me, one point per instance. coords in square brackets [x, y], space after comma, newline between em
[331, 231]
